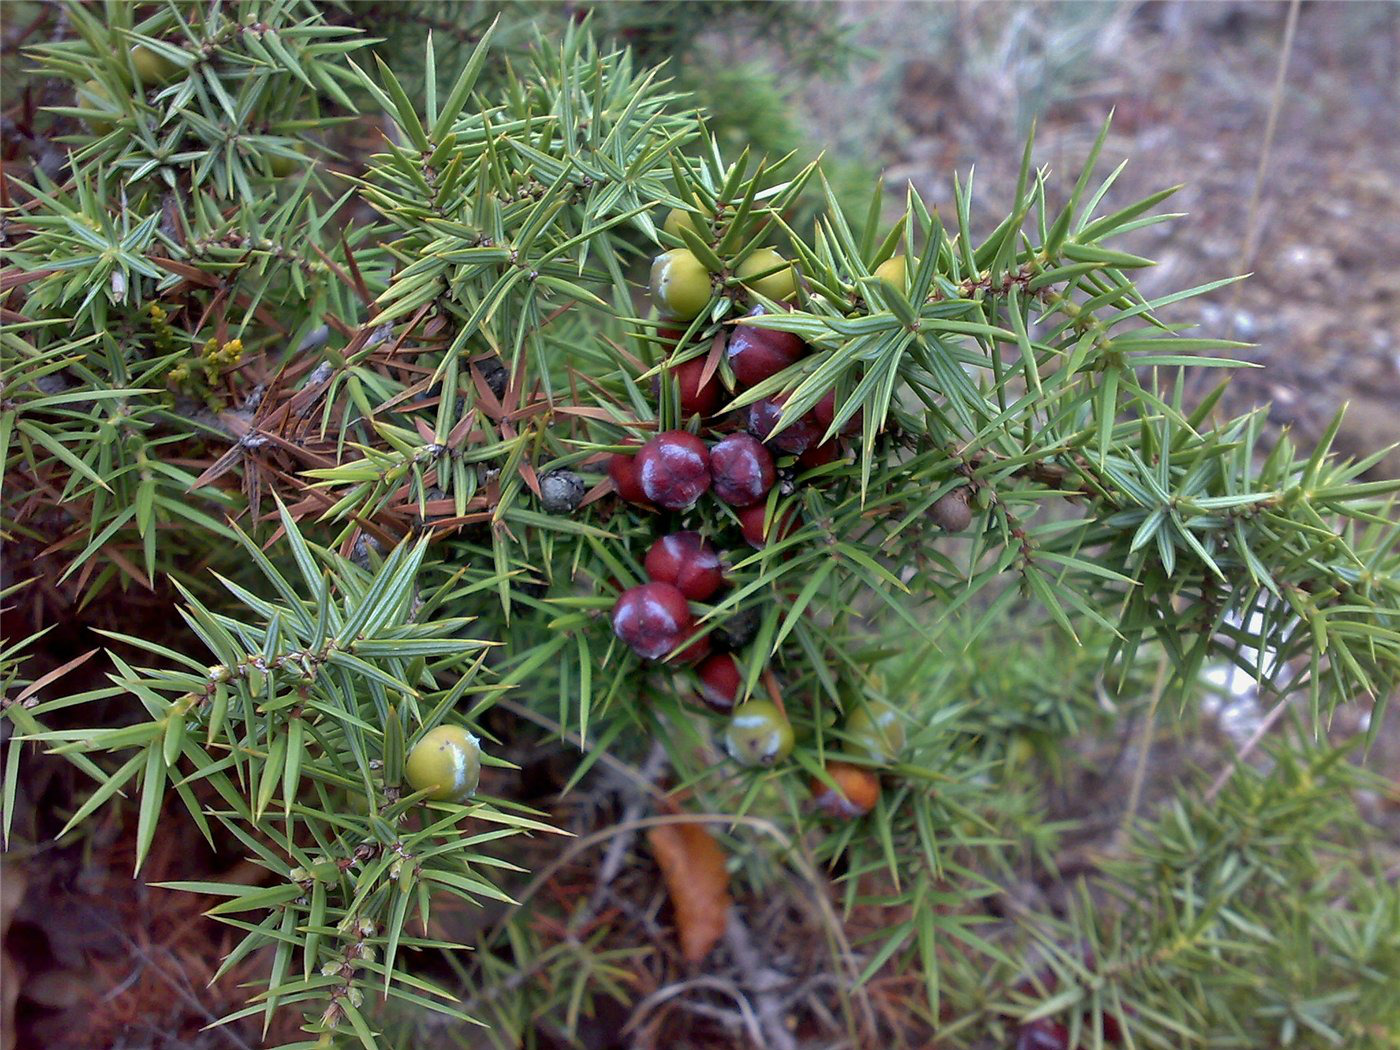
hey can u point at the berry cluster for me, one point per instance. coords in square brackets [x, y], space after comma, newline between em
[739, 468]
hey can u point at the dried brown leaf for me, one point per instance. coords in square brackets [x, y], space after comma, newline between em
[697, 881]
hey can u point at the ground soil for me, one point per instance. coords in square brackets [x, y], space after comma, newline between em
[1191, 86]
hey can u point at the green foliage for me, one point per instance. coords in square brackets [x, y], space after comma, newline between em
[193, 335]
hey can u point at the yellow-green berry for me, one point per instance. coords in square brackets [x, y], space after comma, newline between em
[894, 271]
[152, 67]
[758, 734]
[769, 274]
[680, 284]
[875, 729]
[677, 218]
[283, 166]
[104, 101]
[446, 763]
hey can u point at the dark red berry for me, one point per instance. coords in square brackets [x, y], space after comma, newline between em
[653, 619]
[742, 469]
[674, 468]
[697, 398]
[825, 412]
[1112, 1028]
[751, 522]
[819, 456]
[794, 439]
[685, 560]
[1043, 1034]
[622, 468]
[721, 682]
[757, 353]
[697, 650]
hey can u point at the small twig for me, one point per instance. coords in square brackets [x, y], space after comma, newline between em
[760, 979]
[1149, 726]
[616, 855]
[189, 999]
[748, 1019]
[1245, 751]
[796, 857]
[1251, 224]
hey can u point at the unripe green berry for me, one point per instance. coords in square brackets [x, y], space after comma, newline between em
[894, 271]
[876, 729]
[446, 763]
[1019, 750]
[96, 89]
[678, 218]
[758, 734]
[754, 272]
[283, 166]
[680, 284]
[152, 67]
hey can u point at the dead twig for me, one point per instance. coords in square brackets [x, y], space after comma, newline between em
[761, 981]
[1244, 752]
[1251, 223]
[1149, 726]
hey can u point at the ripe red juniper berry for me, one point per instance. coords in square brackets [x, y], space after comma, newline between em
[697, 650]
[674, 468]
[751, 523]
[697, 397]
[626, 479]
[653, 619]
[796, 438]
[756, 353]
[721, 682]
[686, 561]
[742, 469]
[819, 456]
[825, 413]
[1043, 1034]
